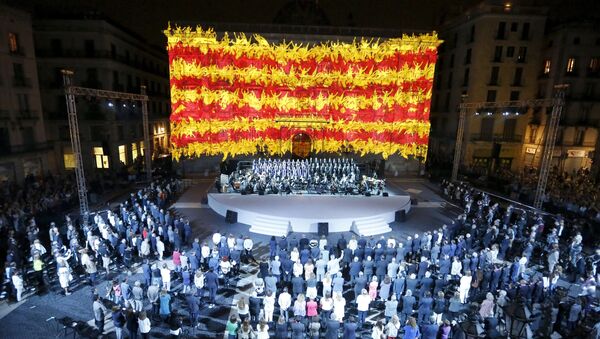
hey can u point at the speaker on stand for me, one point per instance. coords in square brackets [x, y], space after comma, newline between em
[401, 216]
[323, 229]
[231, 217]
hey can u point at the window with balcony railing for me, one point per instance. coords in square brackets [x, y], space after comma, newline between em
[501, 32]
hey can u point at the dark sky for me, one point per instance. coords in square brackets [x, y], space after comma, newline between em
[149, 17]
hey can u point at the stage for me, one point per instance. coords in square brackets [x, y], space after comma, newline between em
[280, 214]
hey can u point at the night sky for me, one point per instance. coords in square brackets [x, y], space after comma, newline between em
[149, 17]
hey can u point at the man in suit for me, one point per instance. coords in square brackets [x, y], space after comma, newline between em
[333, 328]
[211, 282]
[350, 328]
[408, 301]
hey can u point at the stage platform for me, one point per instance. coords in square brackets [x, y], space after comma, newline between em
[280, 214]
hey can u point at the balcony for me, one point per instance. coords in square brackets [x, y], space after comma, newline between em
[27, 115]
[33, 147]
[497, 138]
[21, 82]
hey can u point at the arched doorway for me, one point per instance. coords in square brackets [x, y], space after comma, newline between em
[301, 145]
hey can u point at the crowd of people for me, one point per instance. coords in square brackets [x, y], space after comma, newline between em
[479, 269]
[313, 175]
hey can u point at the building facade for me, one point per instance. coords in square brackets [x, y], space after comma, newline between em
[24, 148]
[102, 55]
[571, 56]
[490, 53]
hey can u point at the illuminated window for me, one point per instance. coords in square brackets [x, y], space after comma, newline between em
[142, 148]
[547, 64]
[101, 159]
[571, 65]
[134, 151]
[594, 66]
[13, 42]
[68, 158]
[123, 154]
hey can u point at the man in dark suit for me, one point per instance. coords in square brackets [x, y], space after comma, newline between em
[211, 282]
[429, 329]
[333, 328]
[350, 328]
[298, 329]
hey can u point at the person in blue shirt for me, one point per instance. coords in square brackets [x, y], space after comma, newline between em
[411, 330]
[165, 305]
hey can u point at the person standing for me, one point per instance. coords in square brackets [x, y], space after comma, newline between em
[362, 301]
[378, 331]
[99, 312]
[284, 301]
[411, 330]
[211, 281]
[17, 281]
[465, 286]
[231, 327]
[144, 325]
[351, 326]
[153, 295]
[118, 321]
[392, 327]
[165, 307]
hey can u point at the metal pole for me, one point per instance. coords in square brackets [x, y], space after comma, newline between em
[75, 142]
[148, 146]
[552, 130]
[459, 137]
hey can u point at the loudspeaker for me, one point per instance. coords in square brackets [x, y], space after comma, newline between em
[385, 194]
[323, 229]
[231, 217]
[367, 194]
[401, 216]
[414, 201]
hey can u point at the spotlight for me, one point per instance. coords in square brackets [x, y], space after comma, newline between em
[477, 113]
[110, 104]
[517, 113]
[489, 113]
[133, 105]
[124, 105]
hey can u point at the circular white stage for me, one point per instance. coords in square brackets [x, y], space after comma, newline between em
[280, 214]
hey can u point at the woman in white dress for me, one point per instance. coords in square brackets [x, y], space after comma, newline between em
[300, 306]
[262, 330]
[269, 307]
[465, 286]
[64, 275]
[339, 305]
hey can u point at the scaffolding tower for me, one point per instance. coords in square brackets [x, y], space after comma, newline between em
[71, 92]
[557, 103]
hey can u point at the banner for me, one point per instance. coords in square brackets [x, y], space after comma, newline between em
[243, 94]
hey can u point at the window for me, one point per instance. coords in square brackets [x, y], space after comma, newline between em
[56, 47]
[134, 151]
[571, 65]
[514, 95]
[594, 66]
[487, 129]
[491, 95]
[68, 158]
[468, 57]
[509, 129]
[518, 78]
[447, 102]
[522, 54]
[23, 101]
[123, 154]
[501, 34]
[466, 77]
[120, 132]
[64, 133]
[547, 65]
[101, 159]
[590, 88]
[92, 76]
[89, 47]
[525, 31]
[142, 149]
[472, 34]
[498, 54]
[18, 72]
[576, 40]
[451, 60]
[510, 52]
[13, 42]
[113, 51]
[449, 85]
[580, 137]
[514, 26]
[494, 75]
